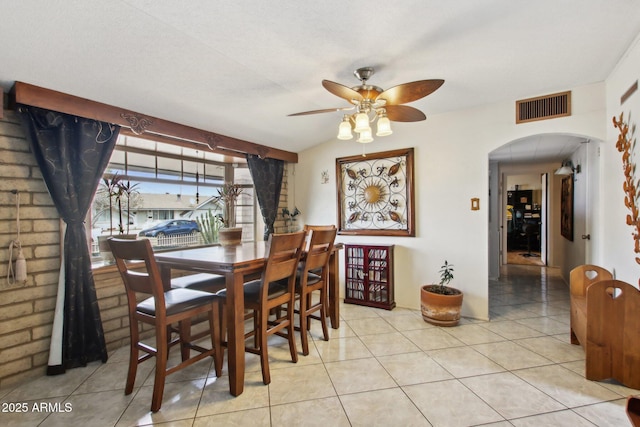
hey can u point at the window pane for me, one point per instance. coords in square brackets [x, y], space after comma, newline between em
[162, 180]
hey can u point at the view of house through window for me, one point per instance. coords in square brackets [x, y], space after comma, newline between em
[166, 193]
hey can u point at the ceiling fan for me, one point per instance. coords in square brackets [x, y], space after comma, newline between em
[371, 103]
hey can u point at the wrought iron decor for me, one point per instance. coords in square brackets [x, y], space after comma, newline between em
[626, 145]
[375, 194]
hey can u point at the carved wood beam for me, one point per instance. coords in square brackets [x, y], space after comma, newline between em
[140, 124]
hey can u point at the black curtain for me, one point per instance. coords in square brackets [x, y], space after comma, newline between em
[267, 180]
[72, 153]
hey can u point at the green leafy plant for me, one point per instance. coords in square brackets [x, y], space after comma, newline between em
[290, 217]
[209, 224]
[446, 275]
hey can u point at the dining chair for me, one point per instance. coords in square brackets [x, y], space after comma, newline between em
[314, 277]
[270, 291]
[162, 308]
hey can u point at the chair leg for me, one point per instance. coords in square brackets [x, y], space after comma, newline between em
[291, 330]
[323, 313]
[261, 334]
[161, 368]
[133, 355]
[185, 338]
[215, 329]
[304, 324]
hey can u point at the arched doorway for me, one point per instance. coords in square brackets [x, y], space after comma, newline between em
[540, 156]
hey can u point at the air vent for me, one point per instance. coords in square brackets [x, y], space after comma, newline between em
[543, 107]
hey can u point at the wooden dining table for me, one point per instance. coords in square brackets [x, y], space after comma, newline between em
[235, 263]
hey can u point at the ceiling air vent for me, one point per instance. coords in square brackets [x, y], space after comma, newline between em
[543, 107]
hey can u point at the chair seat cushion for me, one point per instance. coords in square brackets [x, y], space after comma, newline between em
[177, 300]
[252, 290]
[200, 282]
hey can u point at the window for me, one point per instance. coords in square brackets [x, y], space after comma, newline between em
[149, 182]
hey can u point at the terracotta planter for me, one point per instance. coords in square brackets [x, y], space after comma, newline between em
[439, 309]
[230, 236]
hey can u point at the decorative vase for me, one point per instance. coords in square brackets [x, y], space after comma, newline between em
[230, 236]
[439, 309]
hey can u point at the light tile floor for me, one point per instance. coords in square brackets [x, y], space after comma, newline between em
[385, 368]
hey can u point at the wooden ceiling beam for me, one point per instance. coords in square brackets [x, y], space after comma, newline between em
[141, 124]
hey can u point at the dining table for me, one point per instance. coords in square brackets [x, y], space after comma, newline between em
[236, 263]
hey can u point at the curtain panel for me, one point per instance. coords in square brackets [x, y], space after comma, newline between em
[72, 153]
[267, 180]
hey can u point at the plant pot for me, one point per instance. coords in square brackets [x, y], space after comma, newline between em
[105, 249]
[230, 236]
[439, 309]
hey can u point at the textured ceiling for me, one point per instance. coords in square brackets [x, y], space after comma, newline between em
[239, 67]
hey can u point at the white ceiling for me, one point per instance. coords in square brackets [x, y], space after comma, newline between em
[239, 67]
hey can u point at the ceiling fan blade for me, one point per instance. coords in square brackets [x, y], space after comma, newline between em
[404, 113]
[409, 92]
[326, 110]
[342, 91]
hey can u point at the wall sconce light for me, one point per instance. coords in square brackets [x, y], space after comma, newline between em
[567, 168]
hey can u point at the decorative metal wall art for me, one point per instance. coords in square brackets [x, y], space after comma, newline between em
[625, 145]
[375, 194]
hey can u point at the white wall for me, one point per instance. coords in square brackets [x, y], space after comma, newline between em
[617, 251]
[451, 168]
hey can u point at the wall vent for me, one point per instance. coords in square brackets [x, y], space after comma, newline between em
[543, 107]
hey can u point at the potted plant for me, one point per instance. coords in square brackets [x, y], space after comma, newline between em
[290, 219]
[209, 225]
[440, 304]
[228, 195]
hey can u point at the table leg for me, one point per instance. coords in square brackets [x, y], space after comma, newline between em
[235, 332]
[334, 291]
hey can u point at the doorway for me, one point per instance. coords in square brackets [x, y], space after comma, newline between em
[525, 219]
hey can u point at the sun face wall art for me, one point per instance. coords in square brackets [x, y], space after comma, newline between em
[375, 194]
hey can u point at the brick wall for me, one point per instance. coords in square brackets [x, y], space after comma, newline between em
[26, 309]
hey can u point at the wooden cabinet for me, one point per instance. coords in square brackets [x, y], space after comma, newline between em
[369, 275]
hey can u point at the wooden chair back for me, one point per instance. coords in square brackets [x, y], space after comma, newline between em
[584, 275]
[319, 250]
[283, 254]
[145, 276]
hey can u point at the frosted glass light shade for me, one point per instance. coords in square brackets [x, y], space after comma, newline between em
[365, 137]
[384, 126]
[362, 123]
[344, 130]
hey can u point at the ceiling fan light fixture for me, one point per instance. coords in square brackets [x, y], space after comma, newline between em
[362, 122]
[384, 126]
[365, 137]
[344, 130]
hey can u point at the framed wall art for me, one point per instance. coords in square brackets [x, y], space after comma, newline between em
[375, 194]
[566, 208]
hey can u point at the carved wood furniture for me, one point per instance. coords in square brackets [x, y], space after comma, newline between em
[313, 276]
[161, 309]
[605, 321]
[276, 288]
[238, 264]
